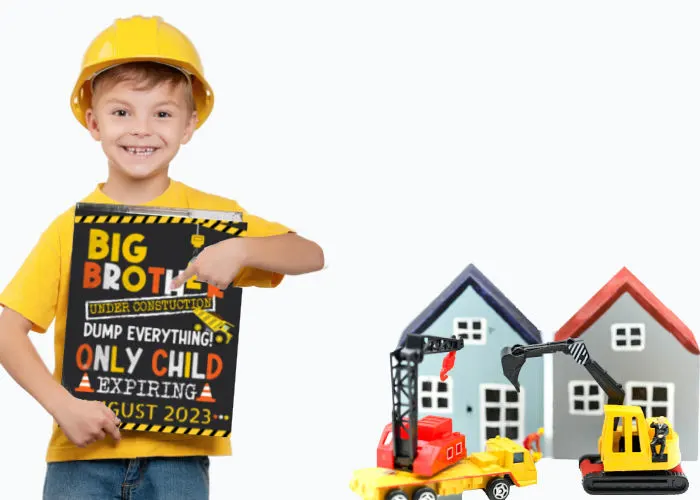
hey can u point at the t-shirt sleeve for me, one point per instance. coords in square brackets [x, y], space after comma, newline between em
[259, 227]
[33, 291]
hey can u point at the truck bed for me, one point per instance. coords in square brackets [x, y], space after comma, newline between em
[472, 472]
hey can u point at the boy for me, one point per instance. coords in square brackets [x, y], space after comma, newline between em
[141, 94]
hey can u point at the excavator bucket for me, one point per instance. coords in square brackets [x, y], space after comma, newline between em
[511, 365]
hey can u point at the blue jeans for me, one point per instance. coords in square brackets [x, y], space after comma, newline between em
[157, 478]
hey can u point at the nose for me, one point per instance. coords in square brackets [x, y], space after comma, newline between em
[141, 127]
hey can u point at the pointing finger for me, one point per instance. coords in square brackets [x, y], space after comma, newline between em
[182, 277]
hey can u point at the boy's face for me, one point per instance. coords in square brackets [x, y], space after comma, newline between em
[140, 130]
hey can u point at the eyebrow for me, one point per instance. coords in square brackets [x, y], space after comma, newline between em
[169, 101]
[116, 101]
[159, 103]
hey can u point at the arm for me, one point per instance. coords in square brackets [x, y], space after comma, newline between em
[21, 360]
[272, 247]
[82, 421]
[219, 264]
[285, 254]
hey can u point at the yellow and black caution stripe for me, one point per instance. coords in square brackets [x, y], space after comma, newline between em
[171, 429]
[232, 228]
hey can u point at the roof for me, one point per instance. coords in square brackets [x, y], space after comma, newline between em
[625, 281]
[471, 276]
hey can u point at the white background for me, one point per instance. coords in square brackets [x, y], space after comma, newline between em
[550, 143]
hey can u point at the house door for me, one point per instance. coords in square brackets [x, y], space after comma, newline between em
[502, 412]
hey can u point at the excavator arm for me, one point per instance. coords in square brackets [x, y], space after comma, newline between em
[513, 358]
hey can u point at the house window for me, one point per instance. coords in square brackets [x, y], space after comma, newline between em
[472, 330]
[655, 398]
[585, 398]
[628, 336]
[502, 411]
[434, 395]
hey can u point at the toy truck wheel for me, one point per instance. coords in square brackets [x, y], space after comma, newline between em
[425, 494]
[497, 489]
[396, 495]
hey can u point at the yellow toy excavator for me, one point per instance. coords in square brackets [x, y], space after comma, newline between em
[636, 454]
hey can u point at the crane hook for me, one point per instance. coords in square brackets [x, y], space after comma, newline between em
[447, 364]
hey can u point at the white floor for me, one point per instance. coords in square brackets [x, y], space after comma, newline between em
[561, 480]
[557, 478]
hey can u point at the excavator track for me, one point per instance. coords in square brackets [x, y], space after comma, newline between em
[598, 482]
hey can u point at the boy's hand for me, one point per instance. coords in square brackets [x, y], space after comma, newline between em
[84, 422]
[217, 264]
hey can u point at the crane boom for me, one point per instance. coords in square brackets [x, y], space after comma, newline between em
[513, 358]
[404, 382]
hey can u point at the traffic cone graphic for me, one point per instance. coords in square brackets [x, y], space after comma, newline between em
[85, 384]
[206, 396]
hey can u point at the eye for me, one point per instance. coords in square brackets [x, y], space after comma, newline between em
[163, 114]
[119, 112]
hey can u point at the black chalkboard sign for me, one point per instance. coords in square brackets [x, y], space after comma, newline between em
[163, 360]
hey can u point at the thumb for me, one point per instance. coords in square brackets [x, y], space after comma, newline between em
[182, 277]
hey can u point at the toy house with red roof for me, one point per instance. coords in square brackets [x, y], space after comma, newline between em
[645, 347]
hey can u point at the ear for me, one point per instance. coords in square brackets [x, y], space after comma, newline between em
[190, 128]
[92, 125]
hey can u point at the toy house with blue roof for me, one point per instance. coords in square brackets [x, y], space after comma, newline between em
[480, 400]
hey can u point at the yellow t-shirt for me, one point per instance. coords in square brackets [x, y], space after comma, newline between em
[39, 291]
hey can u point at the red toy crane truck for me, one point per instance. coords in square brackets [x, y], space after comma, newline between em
[421, 459]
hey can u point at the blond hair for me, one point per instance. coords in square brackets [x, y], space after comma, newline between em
[146, 75]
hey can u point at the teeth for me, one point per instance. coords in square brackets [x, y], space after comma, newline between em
[140, 151]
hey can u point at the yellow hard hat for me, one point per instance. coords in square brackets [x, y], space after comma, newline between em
[139, 38]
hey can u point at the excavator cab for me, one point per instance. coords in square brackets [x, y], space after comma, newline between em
[626, 441]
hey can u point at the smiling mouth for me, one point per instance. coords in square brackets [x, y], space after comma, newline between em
[139, 151]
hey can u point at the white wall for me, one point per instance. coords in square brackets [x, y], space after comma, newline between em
[550, 143]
